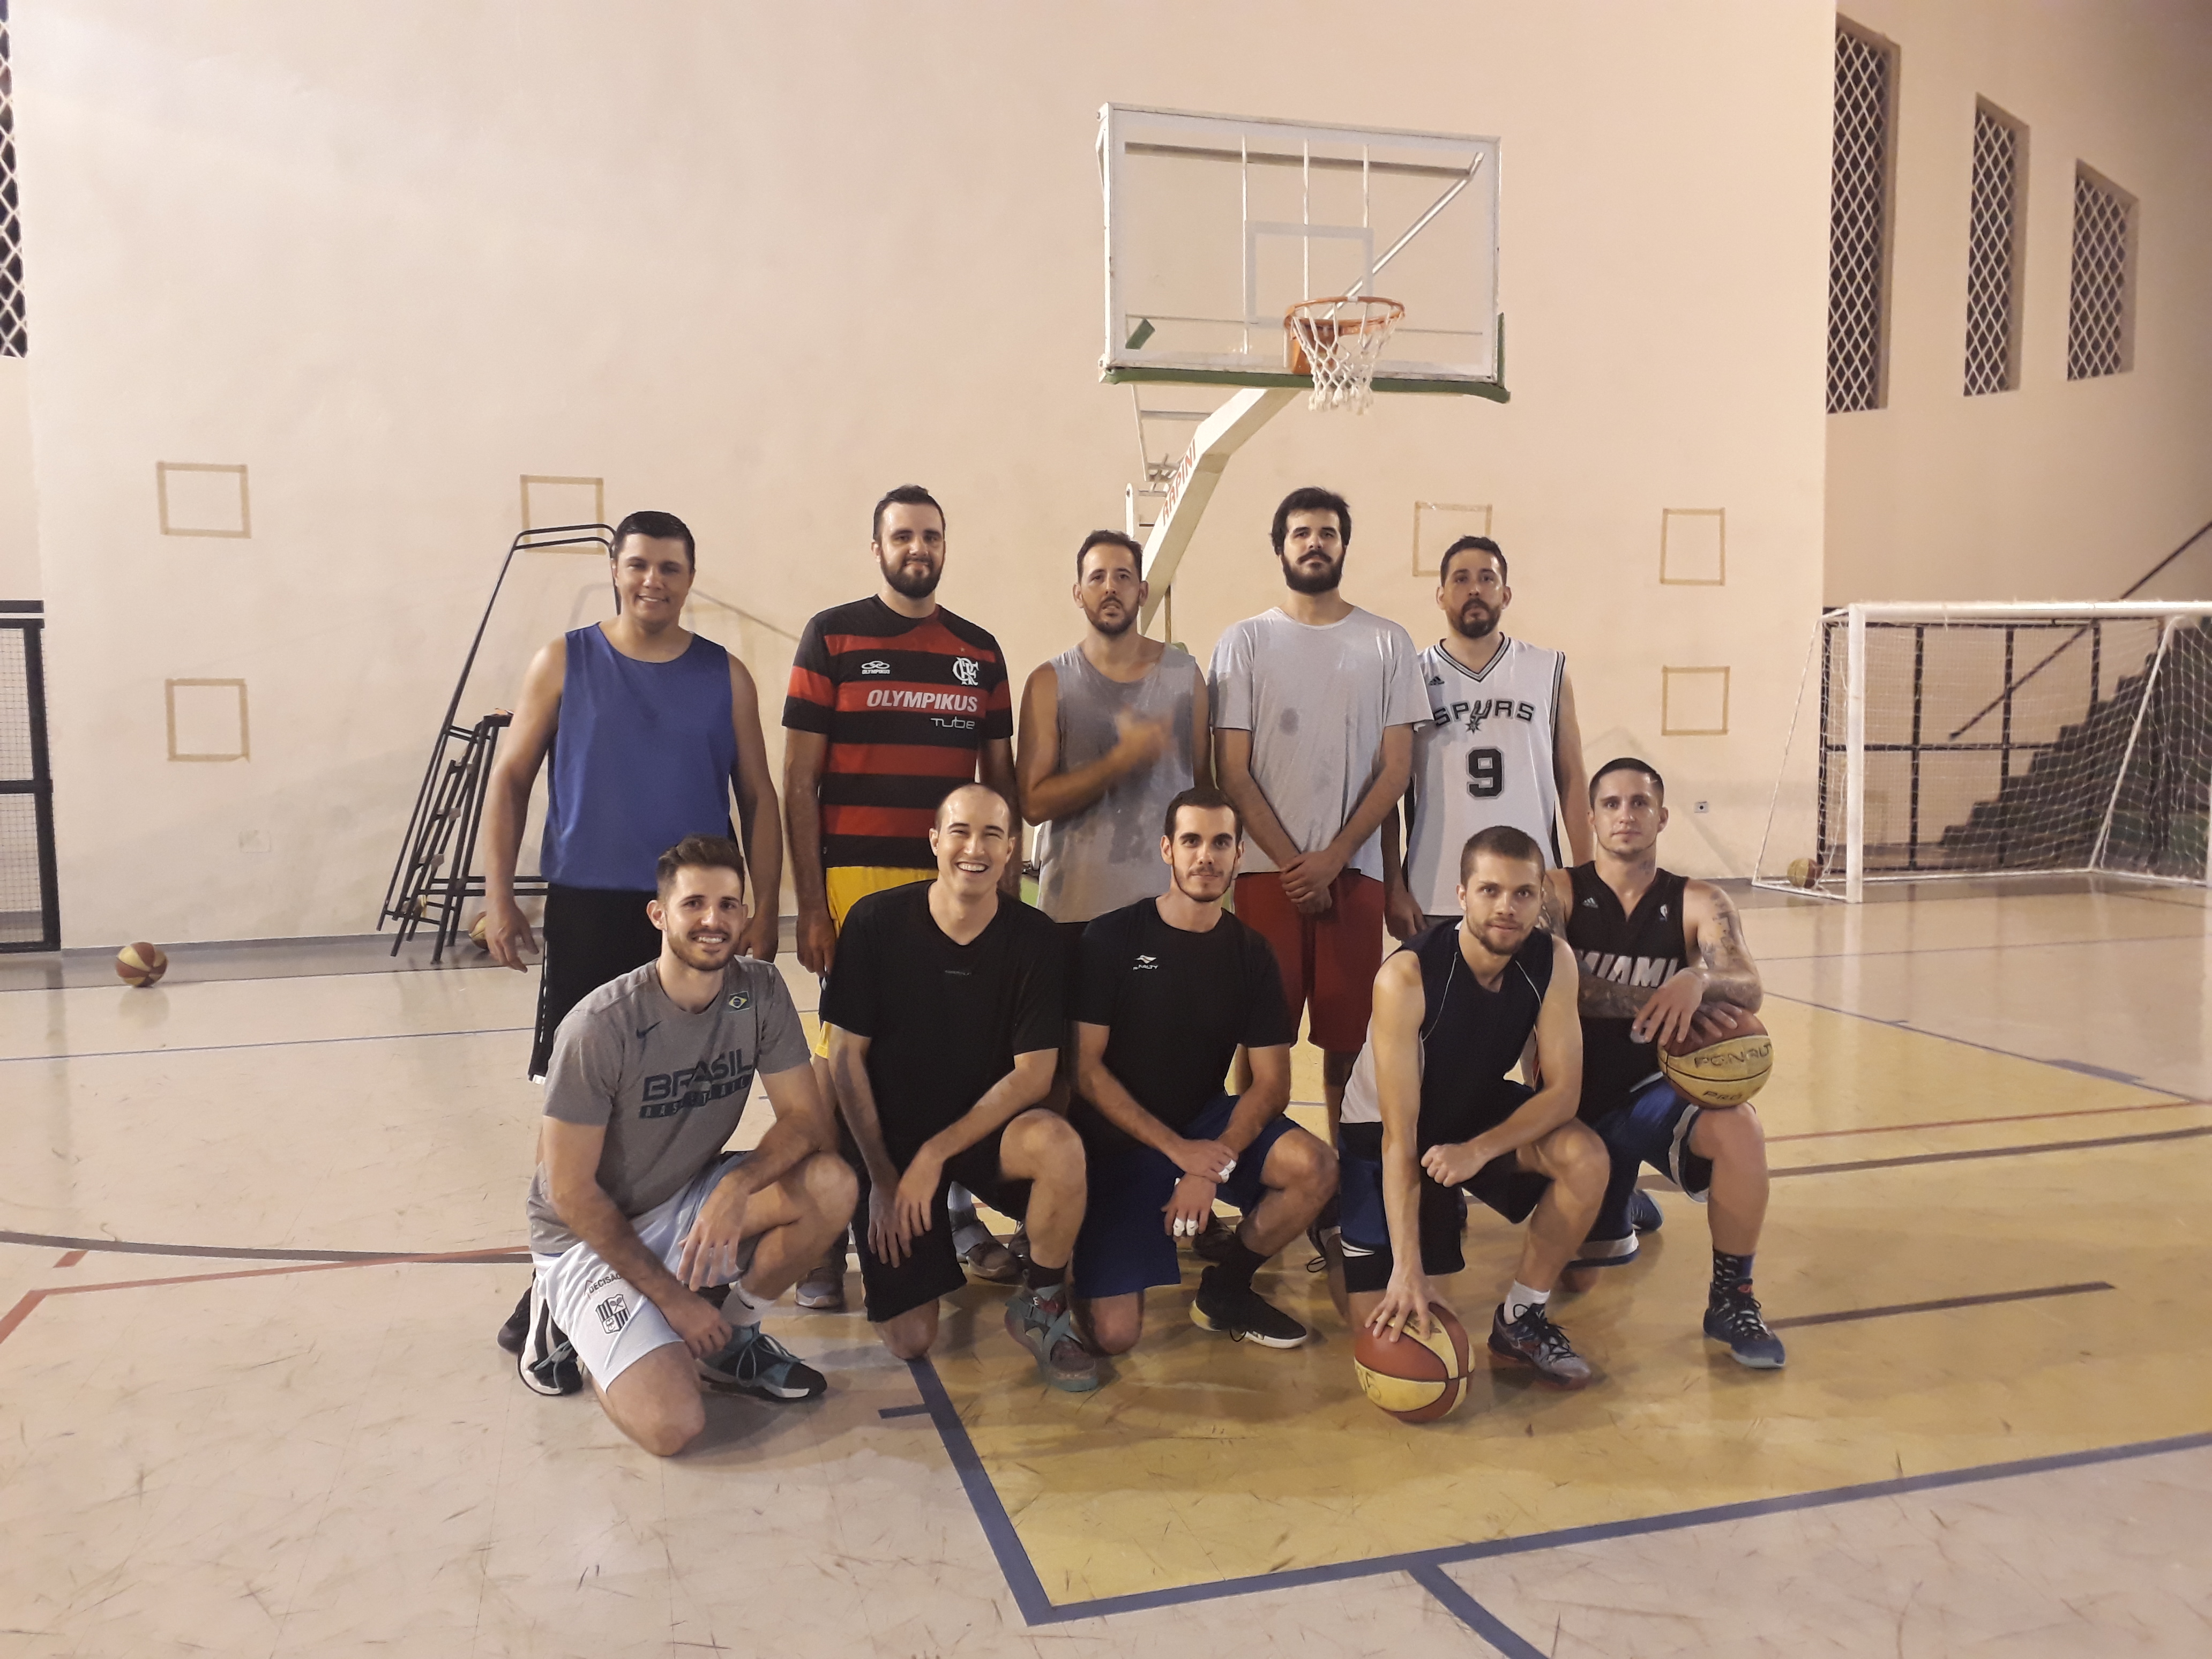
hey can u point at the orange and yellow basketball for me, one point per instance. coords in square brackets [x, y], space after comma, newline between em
[141, 964]
[1727, 1072]
[1415, 1378]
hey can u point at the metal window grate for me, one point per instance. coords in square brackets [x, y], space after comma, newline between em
[12, 339]
[2096, 318]
[1992, 303]
[1857, 229]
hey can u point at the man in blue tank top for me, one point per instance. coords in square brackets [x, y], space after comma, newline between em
[647, 726]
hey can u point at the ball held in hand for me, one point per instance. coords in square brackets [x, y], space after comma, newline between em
[1415, 1378]
[1723, 1073]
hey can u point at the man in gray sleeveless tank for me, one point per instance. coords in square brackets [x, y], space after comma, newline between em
[1112, 730]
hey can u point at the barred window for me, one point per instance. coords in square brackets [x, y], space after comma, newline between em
[2099, 320]
[1997, 221]
[12, 339]
[1858, 220]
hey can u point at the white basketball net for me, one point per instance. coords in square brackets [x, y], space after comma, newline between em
[1339, 341]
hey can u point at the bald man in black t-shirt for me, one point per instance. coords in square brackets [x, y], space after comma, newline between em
[1169, 988]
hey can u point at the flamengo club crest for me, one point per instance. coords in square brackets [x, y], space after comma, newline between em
[965, 669]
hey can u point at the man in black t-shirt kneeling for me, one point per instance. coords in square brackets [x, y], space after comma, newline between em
[944, 1015]
[1169, 988]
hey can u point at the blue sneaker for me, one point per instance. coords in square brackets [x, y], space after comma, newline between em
[1733, 1317]
[753, 1362]
[1645, 1214]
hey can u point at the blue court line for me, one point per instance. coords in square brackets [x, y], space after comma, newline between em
[280, 1043]
[918, 1409]
[1942, 1304]
[1975, 1154]
[1039, 1609]
[1968, 1042]
[1956, 950]
[1475, 1616]
[229, 1252]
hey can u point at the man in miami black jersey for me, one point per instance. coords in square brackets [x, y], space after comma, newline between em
[1663, 958]
[1429, 1109]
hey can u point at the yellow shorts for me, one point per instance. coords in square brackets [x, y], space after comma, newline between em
[846, 885]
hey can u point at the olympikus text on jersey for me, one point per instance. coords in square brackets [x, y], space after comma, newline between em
[906, 702]
[1647, 948]
[1484, 756]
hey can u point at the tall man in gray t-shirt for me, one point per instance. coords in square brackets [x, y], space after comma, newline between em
[635, 1208]
[1112, 730]
[1315, 704]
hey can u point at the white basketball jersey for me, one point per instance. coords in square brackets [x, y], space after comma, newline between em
[1484, 756]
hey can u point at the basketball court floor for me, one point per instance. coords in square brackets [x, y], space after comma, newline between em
[261, 1221]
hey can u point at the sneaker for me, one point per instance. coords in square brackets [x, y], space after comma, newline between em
[1244, 1314]
[984, 1256]
[1533, 1340]
[546, 1362]
[1645, 1214]
[753, 1362]
[1733, 1317]
[1213, 1240]
[517, 1327]
[1047, 1328]
[823, 1290]
[1328, 1246]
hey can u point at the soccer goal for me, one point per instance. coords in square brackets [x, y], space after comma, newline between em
[1989, 739]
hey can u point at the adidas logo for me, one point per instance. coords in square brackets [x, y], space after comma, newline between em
[875, 665]
[1591, 904]
[1662, 912]
[1435, 679]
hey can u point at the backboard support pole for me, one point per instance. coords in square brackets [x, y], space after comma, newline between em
[1220, 435]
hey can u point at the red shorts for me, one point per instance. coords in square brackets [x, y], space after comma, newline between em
[1328, 962]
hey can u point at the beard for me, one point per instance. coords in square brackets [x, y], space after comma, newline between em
[1475, 620]
[915, 583]
[1192, 887]
[702, 958]
[1300, 580]
[1114, 629]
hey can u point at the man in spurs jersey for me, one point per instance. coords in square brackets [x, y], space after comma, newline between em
[1500, 746]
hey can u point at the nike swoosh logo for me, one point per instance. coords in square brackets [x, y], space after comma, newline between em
[647, 1030]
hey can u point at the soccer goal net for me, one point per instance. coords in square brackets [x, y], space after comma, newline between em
[1935, 740]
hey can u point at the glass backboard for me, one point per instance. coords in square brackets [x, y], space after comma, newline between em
[1216, 225]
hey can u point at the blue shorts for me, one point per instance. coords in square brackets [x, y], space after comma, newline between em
[1653, 1128]
[1124, 1246]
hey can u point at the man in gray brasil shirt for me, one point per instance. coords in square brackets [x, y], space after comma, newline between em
[636, 1209]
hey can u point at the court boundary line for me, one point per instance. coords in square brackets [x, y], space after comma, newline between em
[1038, 1608]
[495, 1253]
[277, 1043]
[1989, 1298]
[2074, 1068]
[1972, 1154]
[1975, 1123]
[1956, 950]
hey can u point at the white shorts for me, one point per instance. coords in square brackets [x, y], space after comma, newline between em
[611, 1322]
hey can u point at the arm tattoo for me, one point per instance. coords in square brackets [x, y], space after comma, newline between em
[1731, 975]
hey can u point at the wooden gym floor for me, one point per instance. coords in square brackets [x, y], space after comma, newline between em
[261, 1221]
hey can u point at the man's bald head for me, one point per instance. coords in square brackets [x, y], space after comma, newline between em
[977, 803]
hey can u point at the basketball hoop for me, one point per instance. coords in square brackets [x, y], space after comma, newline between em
[1339, 341]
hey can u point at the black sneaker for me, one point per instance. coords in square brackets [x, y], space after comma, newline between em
[753, 1362]
[1213, 1240]
[1645, 1214]
[1328, 1246]
[547, 1360]
[517, 1327]
[1733, 1317]
[1244, 1314]
[1534, 1341]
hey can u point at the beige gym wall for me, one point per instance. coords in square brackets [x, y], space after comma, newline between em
[755, 264]
[2059, 490]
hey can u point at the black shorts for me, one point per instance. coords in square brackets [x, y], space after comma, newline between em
[1502, 1184]
[591, 935]
[931, 1265]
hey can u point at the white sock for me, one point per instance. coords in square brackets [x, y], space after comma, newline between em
[743, 1307]
[1520, 1298]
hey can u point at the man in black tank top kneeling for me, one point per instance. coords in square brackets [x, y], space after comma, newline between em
[1663, 959]
[1429, 1109]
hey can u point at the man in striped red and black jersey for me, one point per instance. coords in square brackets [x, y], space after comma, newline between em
[894, 703]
